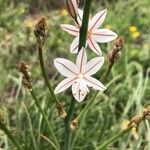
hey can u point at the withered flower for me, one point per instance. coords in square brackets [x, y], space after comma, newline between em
[26, 80]
[40, 27]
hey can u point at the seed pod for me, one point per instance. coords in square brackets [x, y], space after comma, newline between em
[72, 8]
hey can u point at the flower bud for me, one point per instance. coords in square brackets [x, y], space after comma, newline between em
[72, 7]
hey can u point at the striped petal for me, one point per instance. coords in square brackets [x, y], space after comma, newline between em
[74, 45]
[65, 84]
[93, 65]
[94, 46]
[78, 94]
[97, 20]
[92, 82]
[80, 17]
[70, 29]
[81, 60]
[65, 67]
[103, 35]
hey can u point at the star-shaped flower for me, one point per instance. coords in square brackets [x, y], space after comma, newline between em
[79, 75]
[94, 34]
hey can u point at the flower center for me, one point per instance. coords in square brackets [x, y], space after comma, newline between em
[80, 76]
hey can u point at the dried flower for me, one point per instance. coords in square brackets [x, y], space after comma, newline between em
[94, 34]
[40, 27]
[61, 112]
[72, 8]
[146, 112]
[79, 75]
[24, 69]
[74, 124]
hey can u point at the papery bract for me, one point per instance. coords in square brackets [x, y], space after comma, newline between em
[94, 35]
[79, 75]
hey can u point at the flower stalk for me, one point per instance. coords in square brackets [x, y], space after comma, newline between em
[82, 43]
[85, 23]
[41, 34]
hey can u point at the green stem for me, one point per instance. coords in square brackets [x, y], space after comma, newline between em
[67, 125]
[10, 136]
[85, 22]
[40, 50]
[82, 43]
[113, 139]
[45, 118]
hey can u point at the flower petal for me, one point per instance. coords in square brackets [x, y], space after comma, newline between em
[70, 29]
[81, 60]
[94, 46]
[104, 35]
[65, 84]
[98, 19]
[78, 94]
[93, 65]
[92, 82]
[65, 67]
[80, 17]
[74, 45]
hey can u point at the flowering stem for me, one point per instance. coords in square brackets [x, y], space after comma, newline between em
[85, 22]
[10, 136]
[82, 43]
[67, 125]
[114, 138]
[40, 50]
[44, 117]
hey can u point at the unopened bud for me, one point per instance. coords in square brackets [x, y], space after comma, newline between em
[72, 7]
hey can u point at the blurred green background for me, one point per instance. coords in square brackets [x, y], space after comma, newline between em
[129, 86]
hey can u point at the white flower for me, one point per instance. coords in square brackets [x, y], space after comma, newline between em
[94, 34]
[79, 75]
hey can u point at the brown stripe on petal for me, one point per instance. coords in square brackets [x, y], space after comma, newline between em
[103, 34]
[94, 46]
[93, 66]
[70, 29]
[81, 61]
[75, 48]
[67, 83]
[93, 82]
[98, 19]
[65, 67]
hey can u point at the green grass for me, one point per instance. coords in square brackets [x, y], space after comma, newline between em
[128, 85]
